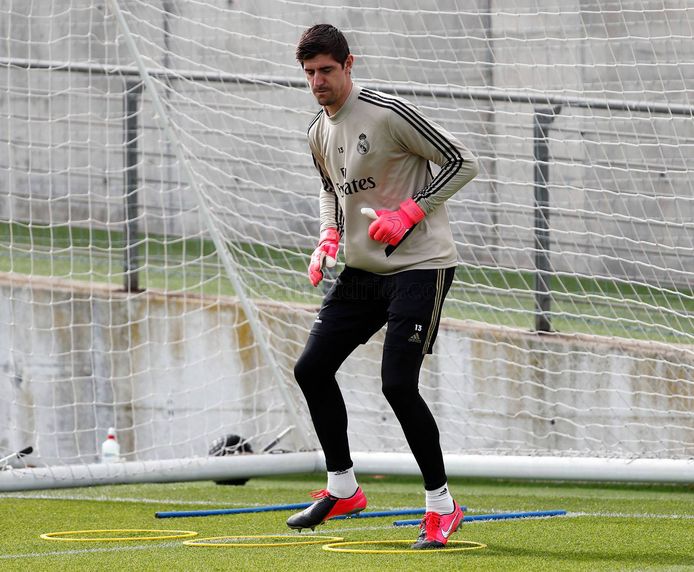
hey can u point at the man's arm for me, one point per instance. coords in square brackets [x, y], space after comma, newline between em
[425, 138]
[331, 224]
[331, 215]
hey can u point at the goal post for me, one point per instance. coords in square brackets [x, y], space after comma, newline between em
[158, 207]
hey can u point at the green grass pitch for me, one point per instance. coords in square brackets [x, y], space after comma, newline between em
[608, 527]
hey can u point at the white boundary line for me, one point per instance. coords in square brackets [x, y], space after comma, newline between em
[219, 504]
[62, 494]
[581, 513]
[222, 504]
[38, 496]
[85, 551]
[631, 515]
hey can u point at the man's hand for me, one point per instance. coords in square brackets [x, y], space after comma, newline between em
[390, 227]
[325, 255]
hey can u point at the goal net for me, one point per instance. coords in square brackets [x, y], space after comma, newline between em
[158, 206]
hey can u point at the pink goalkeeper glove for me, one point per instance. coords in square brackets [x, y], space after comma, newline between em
[325, 255]
[390, 226]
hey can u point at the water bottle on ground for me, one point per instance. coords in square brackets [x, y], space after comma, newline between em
[110, 449]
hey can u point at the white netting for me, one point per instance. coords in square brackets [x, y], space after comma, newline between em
[210, 208]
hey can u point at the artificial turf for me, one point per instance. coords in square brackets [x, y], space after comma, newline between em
[608, 527]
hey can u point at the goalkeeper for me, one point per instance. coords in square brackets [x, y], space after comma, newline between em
[373, 153]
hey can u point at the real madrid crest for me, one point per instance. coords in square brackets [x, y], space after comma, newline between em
[363, 145]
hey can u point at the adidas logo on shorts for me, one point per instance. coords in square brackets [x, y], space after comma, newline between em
[415, 338]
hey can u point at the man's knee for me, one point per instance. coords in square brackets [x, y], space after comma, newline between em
[319, 360]
[305, 369]
[400, 375]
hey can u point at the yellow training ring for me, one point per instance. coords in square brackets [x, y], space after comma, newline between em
[316, 539]
[167, 535]
[343, 547]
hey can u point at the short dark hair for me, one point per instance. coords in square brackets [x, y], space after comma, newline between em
[322, 39]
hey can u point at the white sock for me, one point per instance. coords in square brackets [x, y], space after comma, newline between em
[439, 500]
[342, 484]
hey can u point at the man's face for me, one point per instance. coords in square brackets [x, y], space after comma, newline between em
[329, 81]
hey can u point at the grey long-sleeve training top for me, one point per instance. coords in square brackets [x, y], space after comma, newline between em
[375, 152]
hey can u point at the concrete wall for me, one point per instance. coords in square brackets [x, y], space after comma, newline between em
[615, 177]
[173, 373]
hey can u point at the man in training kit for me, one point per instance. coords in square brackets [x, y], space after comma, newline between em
[373, 154]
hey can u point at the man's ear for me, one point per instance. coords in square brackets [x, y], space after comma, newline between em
[348, 63]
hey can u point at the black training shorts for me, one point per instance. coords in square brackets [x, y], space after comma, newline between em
[360, 303]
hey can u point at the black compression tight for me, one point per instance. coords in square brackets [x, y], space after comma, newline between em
[400, 377]
[315, 372]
